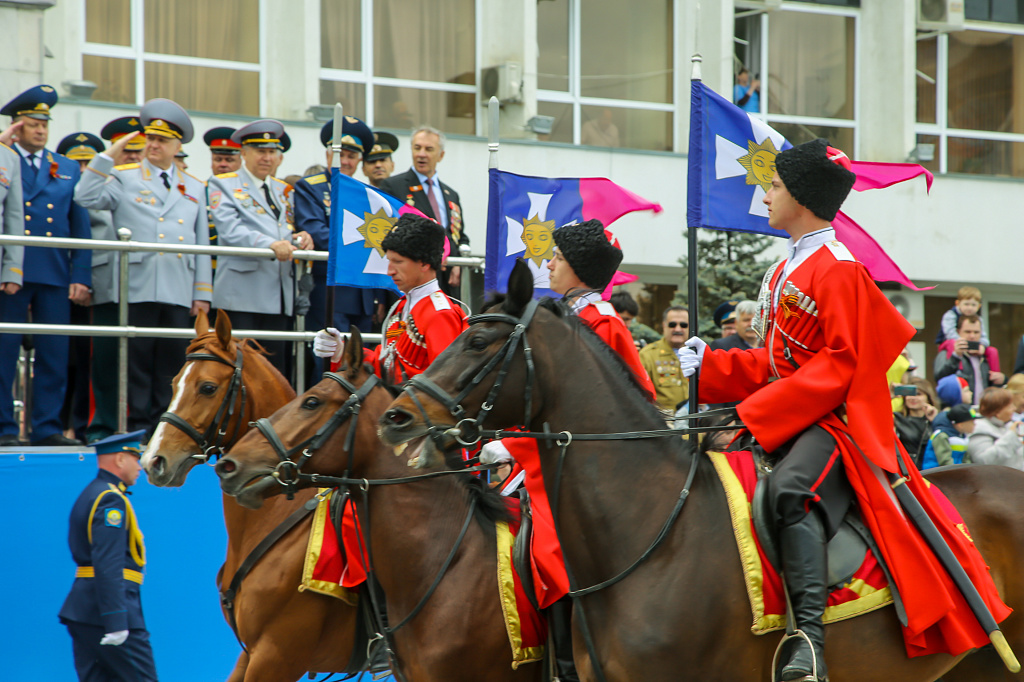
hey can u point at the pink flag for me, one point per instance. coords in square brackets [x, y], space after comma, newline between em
[618, 278]
[607, 202]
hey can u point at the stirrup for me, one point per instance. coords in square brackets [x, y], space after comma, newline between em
[799, 634]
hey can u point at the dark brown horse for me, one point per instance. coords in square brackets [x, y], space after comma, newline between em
[411, 529]
[316, 631]
[684, 612]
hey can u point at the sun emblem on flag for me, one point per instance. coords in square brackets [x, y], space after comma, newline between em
[760, 163]
[375, 227]
[537, 235]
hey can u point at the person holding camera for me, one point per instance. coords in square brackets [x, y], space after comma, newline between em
[914, 420]
[967, 358]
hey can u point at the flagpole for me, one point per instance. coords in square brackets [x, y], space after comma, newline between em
[336, 156]
[691, 266]
[492, 131]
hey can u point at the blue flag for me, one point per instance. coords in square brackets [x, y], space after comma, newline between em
[524, 211]
[361, 217]
[731, 164]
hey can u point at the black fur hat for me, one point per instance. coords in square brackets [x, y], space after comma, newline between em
[418, 238]
[589, 252]
[815, 180]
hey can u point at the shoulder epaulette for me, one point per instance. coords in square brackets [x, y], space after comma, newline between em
[227, 175]
[605, 308]
[840, 251]
[316, 179]
[127, 166]
[278, 180]
[200, 180]
[440, 301]
[6, 147]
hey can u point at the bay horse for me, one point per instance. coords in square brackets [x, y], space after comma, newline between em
[684, 612]
[410, 530]
[317, 632]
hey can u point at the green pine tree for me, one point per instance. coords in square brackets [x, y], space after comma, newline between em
[729, 267]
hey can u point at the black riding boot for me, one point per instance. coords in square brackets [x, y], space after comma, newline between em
[560, 622]
[804, 566]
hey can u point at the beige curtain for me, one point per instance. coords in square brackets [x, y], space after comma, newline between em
[811, 65]
[108, 22]
[340, 34]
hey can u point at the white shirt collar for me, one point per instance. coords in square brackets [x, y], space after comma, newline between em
[800, 250]
[26, 153]
[423, 178]
[418, 294]
[583, 301]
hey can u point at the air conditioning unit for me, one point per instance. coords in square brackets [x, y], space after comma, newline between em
[504, 81]
[940, 15]
[910, 305]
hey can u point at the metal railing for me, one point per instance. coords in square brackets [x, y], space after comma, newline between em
[123, 331]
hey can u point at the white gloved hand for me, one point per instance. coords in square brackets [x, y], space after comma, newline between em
[495, 452]
[114, 638]
[690, 362]
[329, 343]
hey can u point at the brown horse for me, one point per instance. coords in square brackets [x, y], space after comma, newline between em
[410, 530]
[684, 612]
[316, 631]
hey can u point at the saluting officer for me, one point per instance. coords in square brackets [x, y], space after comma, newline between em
[133, 151]
[53, 278]
[103, 611]
[161, 204]
[250, 208]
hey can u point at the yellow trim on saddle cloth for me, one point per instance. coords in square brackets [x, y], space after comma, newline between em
[870, 599]
[313, 548]
[507, 598]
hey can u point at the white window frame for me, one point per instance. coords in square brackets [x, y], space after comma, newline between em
[136, 52]
[369, 81]
[578, 101]
[940, 128]
[807, 8]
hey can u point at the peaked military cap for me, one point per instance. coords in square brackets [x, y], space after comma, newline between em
[265, 133]
[120, 127]
[80, 146]
[167, 119]
[121, 442]
[726, 312]
[588, 248]
[818, 176]
[418, 238]
[356, 136]
[182, 154]
[286, 142]
[219, 140]
[384, 145]
[35, 103]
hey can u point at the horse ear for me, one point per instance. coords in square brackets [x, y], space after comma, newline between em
[354, 350]
[223, 328]
[520, 288]
[202, 323]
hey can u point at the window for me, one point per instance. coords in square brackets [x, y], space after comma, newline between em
[1003, 11]
[203, 55]
[398, 64]
[604, 72]
[805, 59]
[966, 101]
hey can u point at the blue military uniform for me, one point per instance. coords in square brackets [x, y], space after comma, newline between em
[48, 189]
[110, 555]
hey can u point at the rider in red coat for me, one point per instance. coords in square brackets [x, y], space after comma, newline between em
[830, 335]
[424, 321]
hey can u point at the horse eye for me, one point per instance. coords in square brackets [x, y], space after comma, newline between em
[209, 388]
[477, 343]
[311, 403]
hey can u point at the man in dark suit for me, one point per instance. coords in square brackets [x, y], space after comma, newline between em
[420, 187]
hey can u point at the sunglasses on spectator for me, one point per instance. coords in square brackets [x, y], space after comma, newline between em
[673, 325]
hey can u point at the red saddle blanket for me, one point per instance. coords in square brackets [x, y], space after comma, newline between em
[527, 628]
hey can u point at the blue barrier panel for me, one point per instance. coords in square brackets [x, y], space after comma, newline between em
[185, 547]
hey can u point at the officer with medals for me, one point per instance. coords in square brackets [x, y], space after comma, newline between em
[164, 205]
[424, 321]
[134, 150]
[52, 279]
[378, 165]
[250, 208]
[103, 611]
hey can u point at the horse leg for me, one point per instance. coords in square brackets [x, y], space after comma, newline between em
[238, 674]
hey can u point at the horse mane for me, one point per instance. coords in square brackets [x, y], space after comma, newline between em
[491, 505]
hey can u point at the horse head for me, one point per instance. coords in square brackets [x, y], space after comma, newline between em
[320, 431]
[222, 386]
[481, 380]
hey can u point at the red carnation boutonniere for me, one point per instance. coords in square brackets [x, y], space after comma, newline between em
[53, 169]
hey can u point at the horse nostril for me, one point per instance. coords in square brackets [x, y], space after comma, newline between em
[225, 467]
[157, 466]
[397, 417]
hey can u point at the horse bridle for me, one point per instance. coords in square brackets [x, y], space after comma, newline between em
[211, 442]
[467, 430]
[287, 472]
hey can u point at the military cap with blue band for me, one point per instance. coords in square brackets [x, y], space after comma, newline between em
[384, 145]
[356, 136]
[121, 442]
[80, 146]
[219, 140]
[265, 133]
[167, 119]
[120, 127]
[286, 142]
[35, 103]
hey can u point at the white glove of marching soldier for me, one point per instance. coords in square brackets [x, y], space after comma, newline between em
[329, 343]
[114, 638]
[692, 355]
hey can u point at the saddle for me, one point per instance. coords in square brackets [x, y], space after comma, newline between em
[521, 548]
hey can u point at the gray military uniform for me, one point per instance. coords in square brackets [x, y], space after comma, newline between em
[13, 213]
[243, 217]
[105, 273]
[137, 198]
